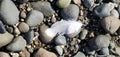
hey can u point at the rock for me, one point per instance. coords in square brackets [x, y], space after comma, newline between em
[23, 27]
[24, 53]
[104, 51]
[101, 41]
[89, 51]
[29, 36]
[60, 40]
[45, 36]
[104, 10]
[88, 3]
[9, 12]
[80, 54]
[71, 12]
[114, 13]
[23, 14]
[83, 34]
[117, 49]
[59, 50]
[14, 54]
[110, 24]
[3, 54]
[17, 44]
[44, 7]
[35, 18]
[10, 29]
[44, 53]
[6, 39]
[64, 27]
[2, 27]
[22, 1]
[63, 3]
[78, 2]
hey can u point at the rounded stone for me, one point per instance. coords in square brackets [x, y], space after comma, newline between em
[44, 7]
[83, 34]
[34, 18]
[63, 3]
[45, 36]
[71, 12]
[104, 51]
[23, 14]
[104, 10]
[88, 3]
[23, 27]
[3, 54]
[6, 39]
[80, 54]
[110, 24]
[17, 44]
[60, 40]
[114, 13]
[59, 50]
[24, 53]
[44, 53]
[9, 12]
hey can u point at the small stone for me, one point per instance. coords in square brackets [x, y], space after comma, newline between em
[83, 34]
[22, 1]
[110, 24]
[14, 54]
[3, 54]
[63, 3]
[23, 27]
[114, 13]
[34, 18]
[16, 31]
[44, 53]
[9, 12]
[80, 54]
[24, 53]
[17, 44]
[10, 29]
[59, 50]
[2, 28]
[88, 3]
[78, 2]
[104, 10]
[101, 41]
[29, 36]
[117, 49]
[6, 39]
[89, 51]
[23, 14]
[60, 40]
[71, 12]
[104, 51]
[44, 7]
[44, 35]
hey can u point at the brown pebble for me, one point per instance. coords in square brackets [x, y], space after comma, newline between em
[23, 14]
[23, 27]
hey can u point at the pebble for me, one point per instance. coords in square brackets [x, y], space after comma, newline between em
[44, 7]
[29, 36]
[8, 9]
[80, 54]
[3, 54]
[23, 14]
[110, 24]
[45, 36]
[10, 29]
[88, 3]
[89, 51]
[6, 39]
[24, 53]
[22, 1]
[35, 18]
[2, 27]
[104, 10]
[63, 3]
[44, 53]
[78, 2]
[17, 44]
[59, 50]
[117, 49]
[101, 41]
[70, 13]
[60, 40]
[104, 51]
[83, 34]
[23, 27]
[114, 13]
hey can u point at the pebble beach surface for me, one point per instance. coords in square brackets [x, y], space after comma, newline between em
[59, 28]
